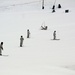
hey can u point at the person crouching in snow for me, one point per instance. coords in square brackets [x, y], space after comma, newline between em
[44, 27]
[1, 48]
[21, 41]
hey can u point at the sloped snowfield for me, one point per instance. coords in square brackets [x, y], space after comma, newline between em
[40, 55]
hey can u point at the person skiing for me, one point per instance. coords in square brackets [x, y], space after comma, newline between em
[21, 41]
[54, 35]
[28, 33]
[1, 48]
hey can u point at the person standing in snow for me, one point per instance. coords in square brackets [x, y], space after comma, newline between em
[28, 33]
[21, 41]
[1, 48]
[54, 35]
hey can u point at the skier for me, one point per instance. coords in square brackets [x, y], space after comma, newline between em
[53, 7]
[54, 35]
[1, 48]
[21, 41]
[28, 33]
[59, 6]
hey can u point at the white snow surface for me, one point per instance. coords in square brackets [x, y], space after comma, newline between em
[40, 55]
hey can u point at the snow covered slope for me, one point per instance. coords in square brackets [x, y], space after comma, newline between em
[39, 55]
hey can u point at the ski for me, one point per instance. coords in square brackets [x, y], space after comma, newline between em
[4, 55]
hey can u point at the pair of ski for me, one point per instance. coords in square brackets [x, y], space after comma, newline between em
[4, 55]
[55, 39]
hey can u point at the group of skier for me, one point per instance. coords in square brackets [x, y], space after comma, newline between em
[28, 33]
[53, 8]
[28, 36]
[22, 39]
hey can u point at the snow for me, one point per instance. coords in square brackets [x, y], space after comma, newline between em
[40, 55]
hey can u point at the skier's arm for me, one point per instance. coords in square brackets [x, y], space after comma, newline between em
[23, 38]
[2, 48]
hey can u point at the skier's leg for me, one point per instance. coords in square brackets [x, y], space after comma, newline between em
[0, 52]
[20, 44]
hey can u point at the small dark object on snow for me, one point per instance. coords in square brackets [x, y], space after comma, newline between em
[66, 11]
[59, 6]
[53, 10]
